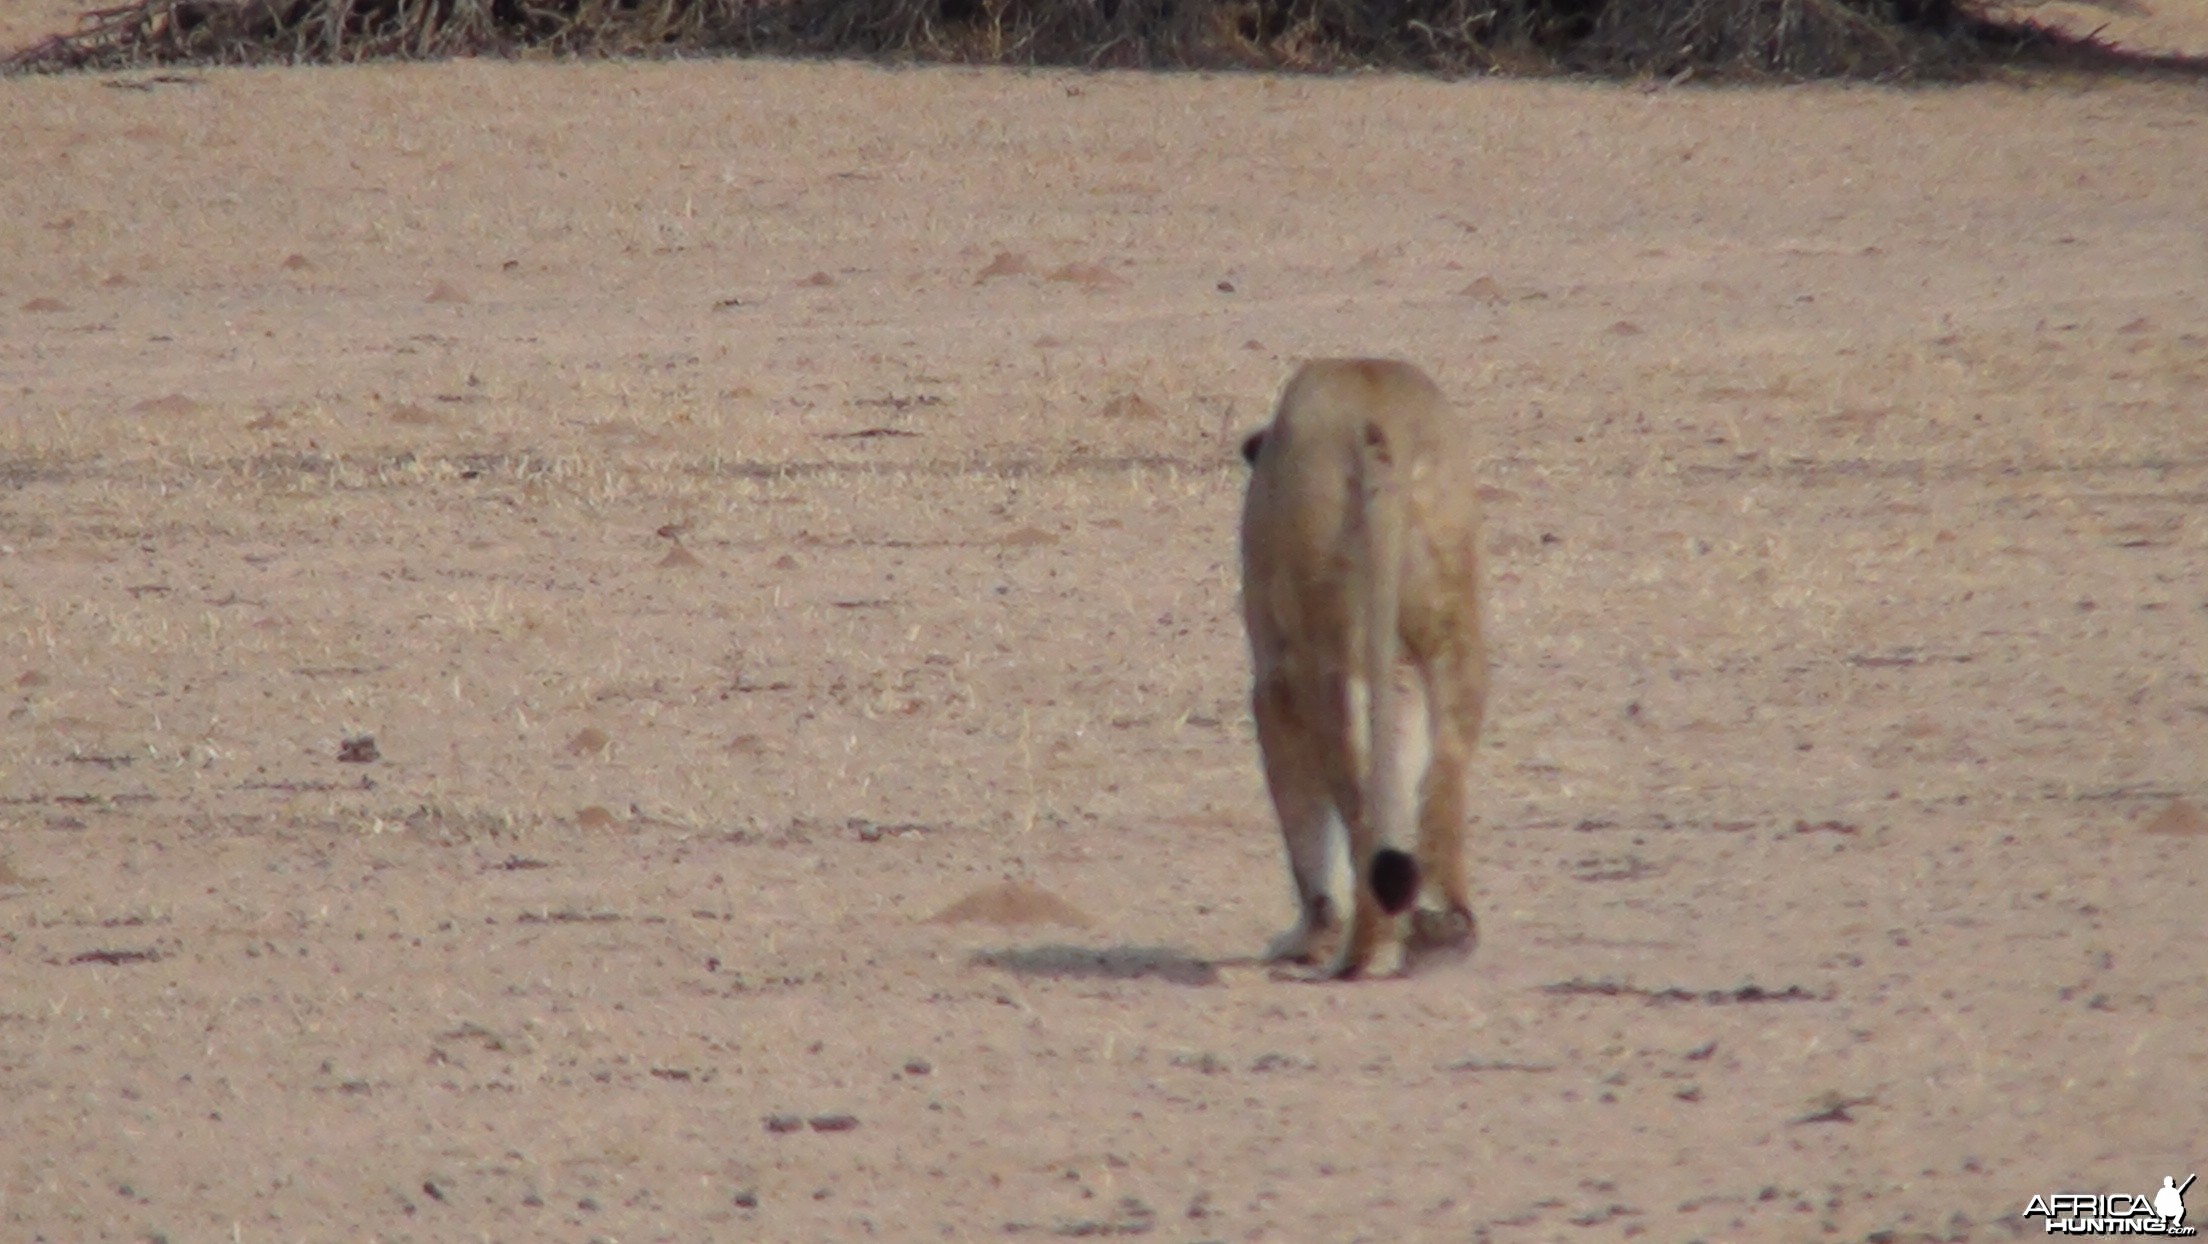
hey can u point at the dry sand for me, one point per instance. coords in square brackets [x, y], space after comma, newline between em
[757, 507]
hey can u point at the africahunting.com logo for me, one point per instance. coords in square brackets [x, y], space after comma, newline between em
[2116, 1213]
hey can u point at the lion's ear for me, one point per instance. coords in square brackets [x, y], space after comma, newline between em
[1251, 444]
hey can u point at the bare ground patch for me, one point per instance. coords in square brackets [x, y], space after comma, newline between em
[1837, 846]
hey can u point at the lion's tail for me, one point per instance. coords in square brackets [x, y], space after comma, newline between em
[1391, 872]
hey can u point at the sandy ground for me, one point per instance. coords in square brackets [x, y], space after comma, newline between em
[755, 508]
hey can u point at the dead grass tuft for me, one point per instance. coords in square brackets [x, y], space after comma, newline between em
[449, 824]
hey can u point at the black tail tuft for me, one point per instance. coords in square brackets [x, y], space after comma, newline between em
[1394, 880]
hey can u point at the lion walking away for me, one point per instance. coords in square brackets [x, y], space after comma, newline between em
[1361, 594]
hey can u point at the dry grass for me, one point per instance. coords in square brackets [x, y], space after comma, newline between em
[541, 653]
[1788, 39]
[598, 637]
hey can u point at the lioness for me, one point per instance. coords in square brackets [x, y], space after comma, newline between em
[1361, 565]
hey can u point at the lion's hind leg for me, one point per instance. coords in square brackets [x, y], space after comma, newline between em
[1310, 825]
[1443, 922]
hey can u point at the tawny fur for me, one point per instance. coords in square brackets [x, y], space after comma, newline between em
[1361, 593]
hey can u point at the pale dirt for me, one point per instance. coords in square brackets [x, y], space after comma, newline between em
[1840, 841]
